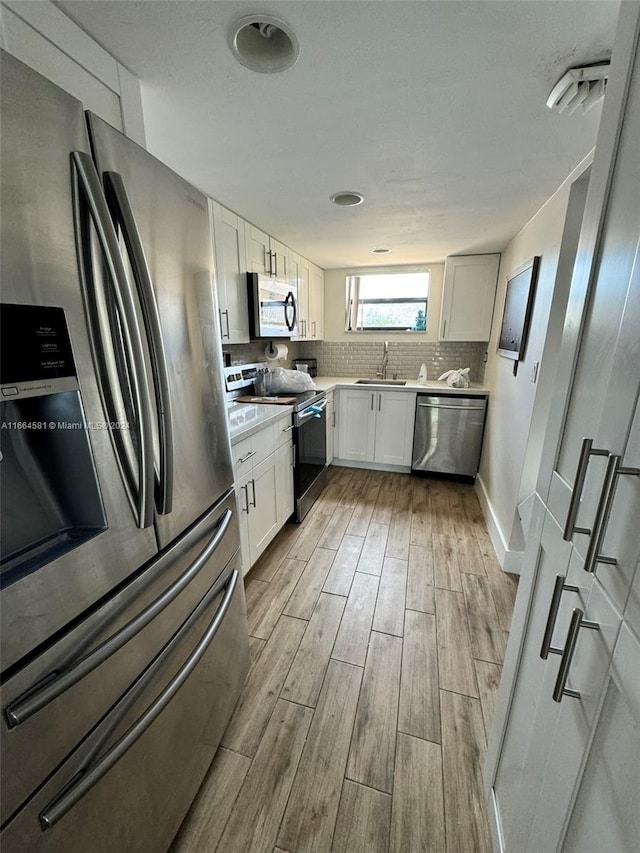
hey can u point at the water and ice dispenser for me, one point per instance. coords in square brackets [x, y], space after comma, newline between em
[49, 494]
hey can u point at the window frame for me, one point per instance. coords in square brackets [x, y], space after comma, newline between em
[352, 312]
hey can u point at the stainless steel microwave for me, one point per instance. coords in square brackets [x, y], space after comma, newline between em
[272, 306]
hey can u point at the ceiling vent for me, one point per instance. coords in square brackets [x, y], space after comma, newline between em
[264, 44]
[581, 87]
[347, 198]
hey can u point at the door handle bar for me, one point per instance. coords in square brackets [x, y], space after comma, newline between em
[253, 491]
[118, 196]
[577, 622]
[86, 177]
[586, 452]
[559, 587]
[603, 512]
[89, 776]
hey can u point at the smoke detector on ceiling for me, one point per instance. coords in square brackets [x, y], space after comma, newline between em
[263, 43]
[582, 87]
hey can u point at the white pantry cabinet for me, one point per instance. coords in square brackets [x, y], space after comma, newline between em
[375, 426]
[231, 279]
[263, 467]
[468, 294]
[567, 722]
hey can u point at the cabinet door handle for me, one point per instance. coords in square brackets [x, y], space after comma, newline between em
[248, 456]
[379, 402]
[603, 512]
[586, 452]
[314, 328]
[225, 314]
[267, 253]
[293, 456]
[246, 499]
[275, 265]
[334, 418]
[444, 329]
[288, 429]
[253, 490]
[372, 396]
[577, 622]
[558, 589]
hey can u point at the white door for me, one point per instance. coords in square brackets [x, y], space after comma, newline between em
[316, 303]
[356, 423]
[304, 283]
[231, 279]
[468, 294]
[263, 500]
[258, 251]
[606, 813]
[596, 396]
[331, 423]
[284, 483]
[279, 260]
[395, 416]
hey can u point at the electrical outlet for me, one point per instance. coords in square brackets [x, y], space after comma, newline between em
[534, 372]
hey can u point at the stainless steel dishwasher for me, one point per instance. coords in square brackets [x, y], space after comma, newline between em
[448, 433]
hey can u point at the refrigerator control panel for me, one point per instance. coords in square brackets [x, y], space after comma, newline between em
[36, 354]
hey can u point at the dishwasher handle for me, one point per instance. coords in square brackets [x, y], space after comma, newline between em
[449, 406]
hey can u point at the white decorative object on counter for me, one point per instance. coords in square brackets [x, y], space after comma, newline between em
[456, 378]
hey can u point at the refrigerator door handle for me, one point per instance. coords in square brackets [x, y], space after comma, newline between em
[86, 180]
[56, 684]
[118, 201]
[89, 775]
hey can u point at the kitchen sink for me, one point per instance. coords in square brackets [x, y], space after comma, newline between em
[380, 382]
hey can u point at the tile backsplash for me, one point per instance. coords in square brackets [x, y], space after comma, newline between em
[362, 358]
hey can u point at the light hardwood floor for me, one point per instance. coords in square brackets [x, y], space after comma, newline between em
[377, 633]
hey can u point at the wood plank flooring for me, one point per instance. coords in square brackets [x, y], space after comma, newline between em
[377, 633]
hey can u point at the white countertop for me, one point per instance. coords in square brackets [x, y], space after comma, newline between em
[246, 418]
[328, 383]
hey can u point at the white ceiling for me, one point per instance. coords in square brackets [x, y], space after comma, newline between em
[435, 111]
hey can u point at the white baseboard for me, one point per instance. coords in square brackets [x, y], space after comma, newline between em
[510, 561]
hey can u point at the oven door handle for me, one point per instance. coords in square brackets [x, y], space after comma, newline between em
[315, 411]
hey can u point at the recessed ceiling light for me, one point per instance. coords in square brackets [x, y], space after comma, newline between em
[263, 43]
[347, 198]
[381, 251]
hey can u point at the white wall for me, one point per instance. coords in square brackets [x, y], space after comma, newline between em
[335, 305]
[514, 431]
[44, 38]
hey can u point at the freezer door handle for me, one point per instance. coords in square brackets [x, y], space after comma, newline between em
[118, 201]
[86, 184]
[57, 683]
[93, 771]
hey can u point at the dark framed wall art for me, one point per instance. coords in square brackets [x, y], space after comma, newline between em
[518, 305]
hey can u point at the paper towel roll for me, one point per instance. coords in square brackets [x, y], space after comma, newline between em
[276, 352]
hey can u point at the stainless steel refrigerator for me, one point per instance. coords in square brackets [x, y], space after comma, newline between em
[124, 639]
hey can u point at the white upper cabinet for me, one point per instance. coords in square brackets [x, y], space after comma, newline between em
[468, 294]
[231, 280]
[310, 302]
[316, 303]
[258, 251]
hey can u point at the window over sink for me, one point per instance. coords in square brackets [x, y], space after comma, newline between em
[387, 301]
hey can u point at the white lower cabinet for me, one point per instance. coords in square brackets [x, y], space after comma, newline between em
[264, 487]
[375, 426]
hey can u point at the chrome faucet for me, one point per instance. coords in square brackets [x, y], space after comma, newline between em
[381, 372]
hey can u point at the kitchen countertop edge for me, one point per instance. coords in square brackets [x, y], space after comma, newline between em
[330, 383]
[268, 414]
